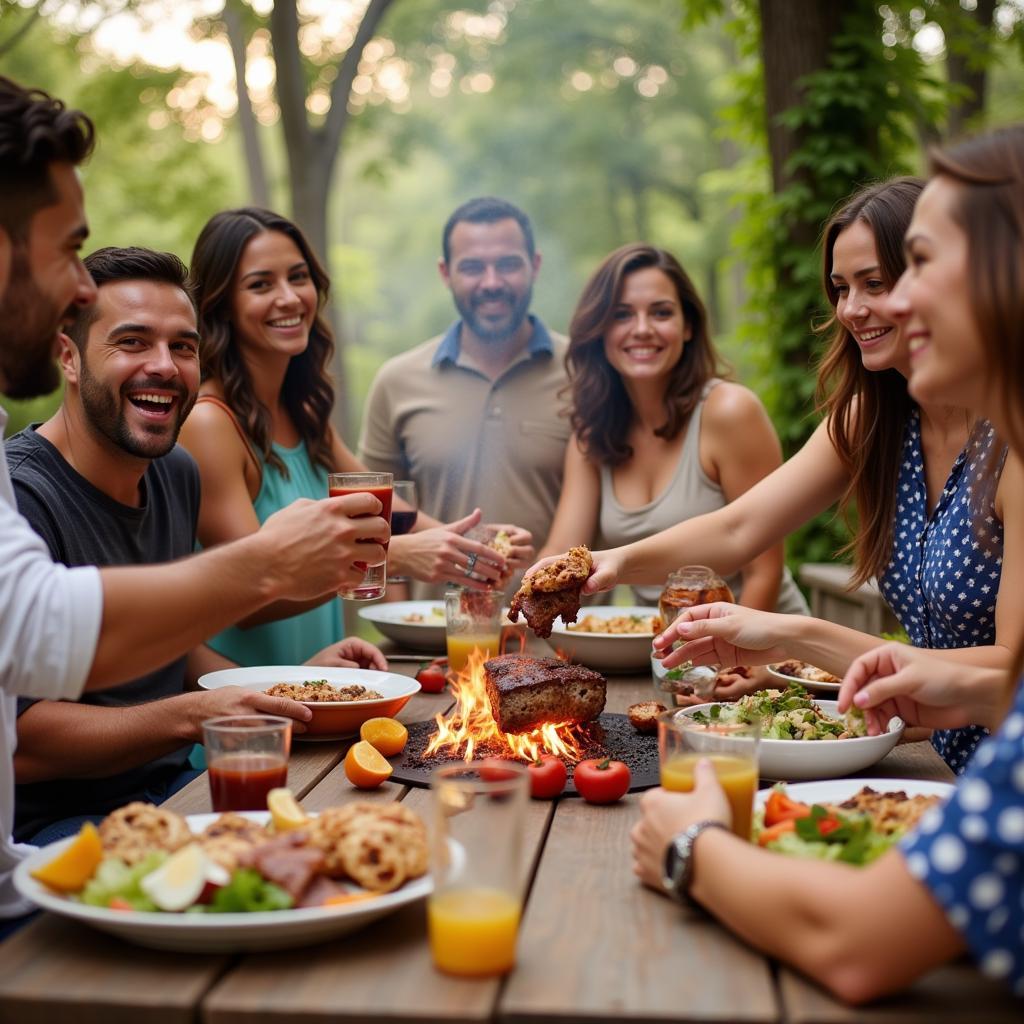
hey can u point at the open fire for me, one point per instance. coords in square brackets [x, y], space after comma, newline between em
[470, 726]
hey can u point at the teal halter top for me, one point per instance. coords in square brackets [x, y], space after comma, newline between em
[288, 641]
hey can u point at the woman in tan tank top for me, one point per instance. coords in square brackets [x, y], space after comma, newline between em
[658, 435]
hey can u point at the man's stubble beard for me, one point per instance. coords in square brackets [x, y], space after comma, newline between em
[519, 311]
[106, 418]
[29, 322]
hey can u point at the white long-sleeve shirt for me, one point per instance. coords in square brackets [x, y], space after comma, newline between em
[49, 626]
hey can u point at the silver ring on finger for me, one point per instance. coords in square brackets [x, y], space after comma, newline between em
[471, 563]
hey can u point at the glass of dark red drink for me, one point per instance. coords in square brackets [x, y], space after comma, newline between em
[404, 511]
[246, 757]
[381, 486]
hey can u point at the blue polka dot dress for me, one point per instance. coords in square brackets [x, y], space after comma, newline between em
[943, 577]
[970, 852]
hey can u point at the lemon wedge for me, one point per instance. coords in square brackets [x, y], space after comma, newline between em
[285, 812]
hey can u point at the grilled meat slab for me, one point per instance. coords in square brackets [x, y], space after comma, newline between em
[529, 692]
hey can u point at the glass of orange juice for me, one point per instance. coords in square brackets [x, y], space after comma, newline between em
[476, 854]
[732, 750]
[472, 620]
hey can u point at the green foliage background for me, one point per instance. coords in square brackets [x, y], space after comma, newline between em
[683, 165]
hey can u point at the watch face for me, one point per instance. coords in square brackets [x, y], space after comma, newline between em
[675, 865]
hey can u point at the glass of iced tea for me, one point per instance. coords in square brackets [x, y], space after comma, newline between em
[732, 751]
[472, 621]
[246, 757]
[380, 485]
[477, 863]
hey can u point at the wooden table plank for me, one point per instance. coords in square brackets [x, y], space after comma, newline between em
[383, 973]
[58, 970]
[597, 946]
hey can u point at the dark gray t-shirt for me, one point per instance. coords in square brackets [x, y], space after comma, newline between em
[83, 526]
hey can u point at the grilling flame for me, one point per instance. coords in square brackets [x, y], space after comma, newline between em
[471, 724]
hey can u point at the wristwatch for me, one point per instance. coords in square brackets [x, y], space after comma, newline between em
[678, 869]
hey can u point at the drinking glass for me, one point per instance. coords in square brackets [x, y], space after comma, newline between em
[246, 757]
[404, 509]
[374, 581]
[686, 587]
[472, 622]
[477, 839]
[732, 751]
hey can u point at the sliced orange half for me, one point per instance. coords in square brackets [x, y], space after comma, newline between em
[366, 767]
[385, 734]
[73, 867]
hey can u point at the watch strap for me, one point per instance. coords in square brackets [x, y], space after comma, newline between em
[678, 869]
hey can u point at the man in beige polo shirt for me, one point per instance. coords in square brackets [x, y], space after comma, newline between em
[473, 415]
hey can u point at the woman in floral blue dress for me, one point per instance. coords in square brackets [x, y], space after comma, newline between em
[889, 456]
[956, 883]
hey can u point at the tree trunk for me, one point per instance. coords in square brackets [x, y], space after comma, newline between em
[796, 37]
[968, 67]
[313, 154]
[258, 192]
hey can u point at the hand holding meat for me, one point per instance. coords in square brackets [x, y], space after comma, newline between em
[552, 591]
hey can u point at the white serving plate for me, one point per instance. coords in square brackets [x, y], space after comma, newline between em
[808, 684]
[835, 791]
[427, 636]
[605, 652]
[216, 933]
[787, 760]
[331, 719]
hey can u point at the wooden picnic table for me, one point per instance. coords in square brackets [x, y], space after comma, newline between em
[594, 945]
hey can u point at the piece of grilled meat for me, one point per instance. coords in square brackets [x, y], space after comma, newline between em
[553, 591]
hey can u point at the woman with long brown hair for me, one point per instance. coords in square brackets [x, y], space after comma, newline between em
[955, 883]
[659, 435]
[261, 431]
[911, 470]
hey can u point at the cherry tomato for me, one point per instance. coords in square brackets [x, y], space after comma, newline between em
[431, 677]
[496, 769]
[601, 781]
[781, 807]
[547, 777]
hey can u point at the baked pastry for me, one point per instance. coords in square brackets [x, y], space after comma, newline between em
[527, 692]
[137, 829]
[644, 717]
[553, 591]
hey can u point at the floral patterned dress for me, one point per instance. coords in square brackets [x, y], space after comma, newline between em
[943, 578]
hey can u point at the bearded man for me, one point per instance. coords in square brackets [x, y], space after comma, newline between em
[472, 416]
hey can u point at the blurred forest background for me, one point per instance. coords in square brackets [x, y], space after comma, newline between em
[724, 130]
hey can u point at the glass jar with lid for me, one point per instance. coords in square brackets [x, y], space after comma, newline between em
[689, 586]
[685, 588]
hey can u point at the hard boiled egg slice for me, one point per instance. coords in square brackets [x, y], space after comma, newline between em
[177, 883]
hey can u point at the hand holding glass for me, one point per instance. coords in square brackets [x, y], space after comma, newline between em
[732, 751]
[379, 485]
[246, 757]
[477, 836]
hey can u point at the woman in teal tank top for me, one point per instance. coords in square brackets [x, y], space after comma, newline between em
[261, 430]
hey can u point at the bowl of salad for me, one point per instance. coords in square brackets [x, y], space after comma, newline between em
[801, 738]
